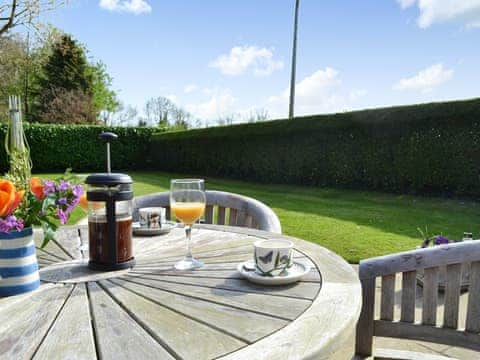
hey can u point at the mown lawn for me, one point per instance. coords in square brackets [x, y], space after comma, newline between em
[354, 224]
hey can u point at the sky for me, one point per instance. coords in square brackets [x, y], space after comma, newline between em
[216, 57]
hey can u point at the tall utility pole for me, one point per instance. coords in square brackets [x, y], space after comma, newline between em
[291, 107]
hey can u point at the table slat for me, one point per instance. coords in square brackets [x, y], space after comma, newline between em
[288, 308]
[112, 322]
[245, 325]
[25, 323]
[71, 336]
[187, 338]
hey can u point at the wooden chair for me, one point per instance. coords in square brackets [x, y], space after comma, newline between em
[431, 260]
[222, 208]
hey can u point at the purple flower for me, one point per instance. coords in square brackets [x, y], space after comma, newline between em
[62, 201]
[77, 191]
[62, 215]
[10, 223]
[64, 185]
[48, 187]
[441, 240]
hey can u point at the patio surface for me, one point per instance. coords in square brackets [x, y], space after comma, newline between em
[408, 345]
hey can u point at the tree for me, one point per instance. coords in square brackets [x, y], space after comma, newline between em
[180, 118]
[227, 119]
[104, 98]
[257, 115]
[125, 115]
[13, 63]
[67, 72]
[158, 111]
[69, 107]
[23, 12]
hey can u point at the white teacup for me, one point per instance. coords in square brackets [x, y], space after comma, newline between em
[152, 217]
[272, 257]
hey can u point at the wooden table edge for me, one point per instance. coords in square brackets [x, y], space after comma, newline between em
[334, 311]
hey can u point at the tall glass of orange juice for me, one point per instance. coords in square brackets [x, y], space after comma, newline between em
[187, 202]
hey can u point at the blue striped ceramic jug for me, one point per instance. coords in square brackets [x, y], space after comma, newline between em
[18, 263]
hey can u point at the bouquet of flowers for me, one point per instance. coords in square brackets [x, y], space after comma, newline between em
[46, 203]
[27, 201]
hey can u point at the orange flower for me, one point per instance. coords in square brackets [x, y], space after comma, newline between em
[83, 202]
[36, 187]
[9, 197]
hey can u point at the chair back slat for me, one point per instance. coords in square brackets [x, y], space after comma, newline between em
[241, 216]
[364, 335]
[221, 215]
[232, 219]
[430, 296]
[409, 287]
[209, 214]
[453, 281]
[249, 221]
[473, 308]
[442, 268]
[388, 297]
[421, 258]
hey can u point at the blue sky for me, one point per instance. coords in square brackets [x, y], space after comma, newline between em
[218, 57]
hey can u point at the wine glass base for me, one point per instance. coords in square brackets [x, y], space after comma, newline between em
[188, 264]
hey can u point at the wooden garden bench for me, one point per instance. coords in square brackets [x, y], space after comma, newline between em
[223, 208]
[428, 328]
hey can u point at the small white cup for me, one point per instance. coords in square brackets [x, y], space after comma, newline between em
[273, 256]
[152, 217]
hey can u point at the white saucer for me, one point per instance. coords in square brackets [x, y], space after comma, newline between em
[165, 229]
[295, 273]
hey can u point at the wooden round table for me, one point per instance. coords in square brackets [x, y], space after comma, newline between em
[156, 312]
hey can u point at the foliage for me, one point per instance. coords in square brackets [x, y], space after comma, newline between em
[42, 205]
[65, 71]
[69, 107]
[55, 78]
[23, 12]
[430, 148]
[104, 99]
[58, 147]
[13, 70]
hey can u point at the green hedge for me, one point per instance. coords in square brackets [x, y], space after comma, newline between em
[57, 147]
[430, 148]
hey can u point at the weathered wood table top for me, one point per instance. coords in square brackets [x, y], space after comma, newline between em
[156, 312]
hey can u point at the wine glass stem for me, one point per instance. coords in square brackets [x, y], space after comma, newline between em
[188, 233]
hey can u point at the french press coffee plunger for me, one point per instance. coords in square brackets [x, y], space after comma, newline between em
[109, 198]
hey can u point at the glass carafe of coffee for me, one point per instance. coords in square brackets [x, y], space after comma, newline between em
[109, 198]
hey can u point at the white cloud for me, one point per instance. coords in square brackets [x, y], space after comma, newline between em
[318, 93]
[425, 80]
[406, 3]
[242, 58]
[220, 103]
[136, 7]
[190, 88]
[438, 11]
